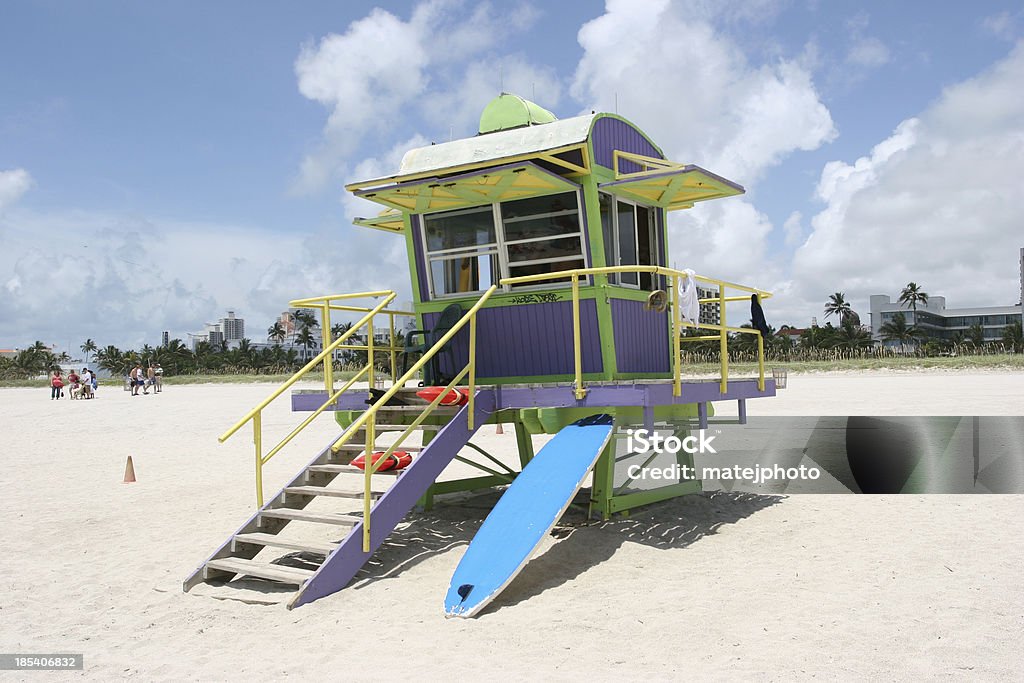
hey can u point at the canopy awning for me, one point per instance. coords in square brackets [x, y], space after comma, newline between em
[667, 184]
[388, 220]
[499, 184]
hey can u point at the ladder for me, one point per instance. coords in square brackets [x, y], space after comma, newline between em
[328, 493]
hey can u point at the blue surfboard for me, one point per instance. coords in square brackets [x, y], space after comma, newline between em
[525, 514]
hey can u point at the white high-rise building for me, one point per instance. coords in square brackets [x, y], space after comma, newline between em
[232, 328]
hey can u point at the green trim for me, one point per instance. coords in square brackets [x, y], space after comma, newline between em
[629, 501]
[503, 299]
[439, 488]
[410, 250]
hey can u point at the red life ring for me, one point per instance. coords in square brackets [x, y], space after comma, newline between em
[398, 460]
[455, 397]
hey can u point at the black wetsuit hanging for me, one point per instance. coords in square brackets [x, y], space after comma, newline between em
[757, 317]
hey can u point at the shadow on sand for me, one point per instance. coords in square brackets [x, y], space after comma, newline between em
[583, 544]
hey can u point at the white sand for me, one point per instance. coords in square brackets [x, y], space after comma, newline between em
[717, 585]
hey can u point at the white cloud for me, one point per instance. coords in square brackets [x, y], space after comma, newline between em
[868, 52]
[793, 229]
[124, 279]
[13, 184]
[936, 202]
[458, 111]
[381, 65]
[1004, 25]
[693, 90]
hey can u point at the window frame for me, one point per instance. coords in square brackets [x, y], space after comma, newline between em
[612, 245]
[500, 247]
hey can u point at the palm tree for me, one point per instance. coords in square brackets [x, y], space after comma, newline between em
[912, 296]
[305, 318]
[898, 330]
[276, 332]
[305, 339]
[838, 304]
[1013, 336]
[88, 347]
[851, 336]
[976, 335]
[111, 359]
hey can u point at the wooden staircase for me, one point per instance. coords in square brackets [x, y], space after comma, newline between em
[315, 520]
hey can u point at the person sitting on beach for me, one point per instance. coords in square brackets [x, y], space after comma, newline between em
[56, 385]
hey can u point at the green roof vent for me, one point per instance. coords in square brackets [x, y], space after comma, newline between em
[508, 111]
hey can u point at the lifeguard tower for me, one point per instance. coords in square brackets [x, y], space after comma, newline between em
[538, 258]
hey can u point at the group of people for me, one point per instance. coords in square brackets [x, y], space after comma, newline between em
[78, 386]
[144, 379]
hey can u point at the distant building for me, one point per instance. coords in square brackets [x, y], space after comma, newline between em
[939, 322]
[229, 329]
[709, 313]
[165, 338]
[232, 328]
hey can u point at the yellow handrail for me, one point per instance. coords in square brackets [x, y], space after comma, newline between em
[306, 368]
[368, 418]
[324, 305]
[256, 414]
[411, 372]
[675, 277]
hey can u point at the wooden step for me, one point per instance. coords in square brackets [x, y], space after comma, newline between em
[362, 447]
[303, 516]
[332, 493]
[276, 541]
[263, 570]
[351, 469]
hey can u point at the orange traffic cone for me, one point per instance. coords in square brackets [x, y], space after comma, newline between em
[499, 430]
[129, 471]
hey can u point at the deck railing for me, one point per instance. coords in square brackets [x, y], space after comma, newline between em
[675, 277]
[367, 419]
[369, 416]
[324, 357]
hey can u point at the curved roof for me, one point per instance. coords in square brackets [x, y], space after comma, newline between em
[507, 111]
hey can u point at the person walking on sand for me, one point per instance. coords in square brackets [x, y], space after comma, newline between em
[56, 385]
[151, 376]
[137, 380]
[74, 386]
[88, 384]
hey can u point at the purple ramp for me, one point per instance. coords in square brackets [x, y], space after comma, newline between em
[342, 565]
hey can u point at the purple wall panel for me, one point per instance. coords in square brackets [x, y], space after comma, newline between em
[641, 338]
[611, 134]
[528, 340]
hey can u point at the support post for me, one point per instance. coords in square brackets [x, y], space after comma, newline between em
[325, 339]
[257, 439]
[723, 341]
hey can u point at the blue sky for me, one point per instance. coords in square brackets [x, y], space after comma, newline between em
[161, 163]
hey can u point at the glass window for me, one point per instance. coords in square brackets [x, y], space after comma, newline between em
[537, 206]
[459, 229]
[466, 252]
[542, 235]
[463, 273]
[627, 240]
